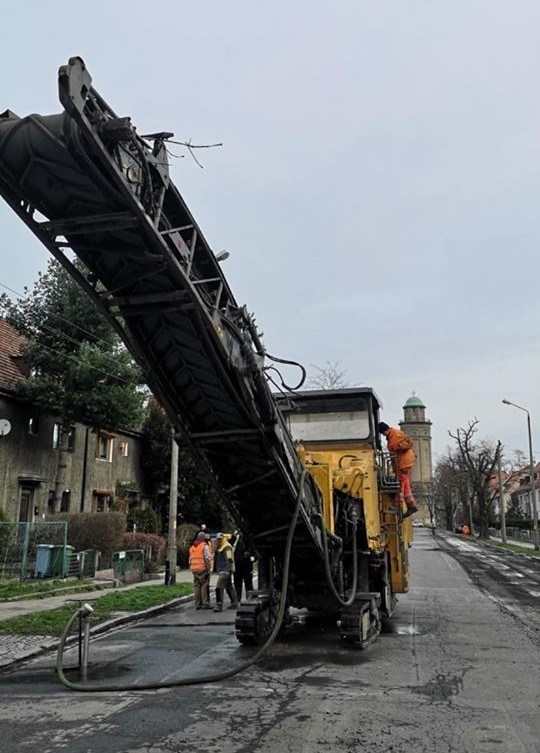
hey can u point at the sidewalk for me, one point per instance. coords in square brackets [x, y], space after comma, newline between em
[18, 648]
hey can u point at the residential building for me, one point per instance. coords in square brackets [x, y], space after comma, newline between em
[520, 493]
[96, 463]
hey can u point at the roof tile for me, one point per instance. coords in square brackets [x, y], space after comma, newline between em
[12, 369]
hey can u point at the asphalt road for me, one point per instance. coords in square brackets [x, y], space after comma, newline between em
[456, 669]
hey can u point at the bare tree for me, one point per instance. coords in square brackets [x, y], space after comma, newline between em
[450, 490]
[521, 459]
[328, 377]
[480, 461]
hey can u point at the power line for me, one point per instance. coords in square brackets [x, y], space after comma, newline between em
[64, 336]
[64, 319]
[89, 365]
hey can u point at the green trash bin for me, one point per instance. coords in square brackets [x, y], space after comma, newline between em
[60, 559]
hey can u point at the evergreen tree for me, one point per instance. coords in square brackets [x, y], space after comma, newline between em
[78, 369]
[198, 501]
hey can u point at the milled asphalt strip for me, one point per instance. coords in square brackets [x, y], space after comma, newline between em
[512, 609]
[102, 628]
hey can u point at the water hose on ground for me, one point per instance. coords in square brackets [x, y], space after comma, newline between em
[202, 679]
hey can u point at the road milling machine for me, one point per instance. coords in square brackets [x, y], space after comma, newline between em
[90, 187]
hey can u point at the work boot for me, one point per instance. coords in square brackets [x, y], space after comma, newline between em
[198, 606]
[206, 606]
[410, 511]
[233, 605]
[218, 608]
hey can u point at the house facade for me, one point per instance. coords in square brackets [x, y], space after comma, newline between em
[99, 469]
[520, 495]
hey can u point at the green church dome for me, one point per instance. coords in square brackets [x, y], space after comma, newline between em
[414, 402]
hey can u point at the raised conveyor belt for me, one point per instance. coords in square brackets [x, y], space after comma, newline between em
[85, 181]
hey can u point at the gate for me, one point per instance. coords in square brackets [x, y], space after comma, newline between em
[128, 566]
[24, 547]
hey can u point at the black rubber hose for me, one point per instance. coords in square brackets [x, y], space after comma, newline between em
[344, 602]
[353, 457]
[88, 688]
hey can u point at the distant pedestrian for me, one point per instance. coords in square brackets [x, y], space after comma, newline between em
[200, 564]
[224, 565]
[243, 565]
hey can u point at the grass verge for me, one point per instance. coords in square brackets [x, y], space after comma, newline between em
[53, 622]
[513, 548]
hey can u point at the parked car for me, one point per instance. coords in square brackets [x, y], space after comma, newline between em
[417, 524]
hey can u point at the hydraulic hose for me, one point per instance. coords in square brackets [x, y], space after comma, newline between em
[89, 688]
[344, 602]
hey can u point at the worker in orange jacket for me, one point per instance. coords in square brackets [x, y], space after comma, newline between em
[200, 564]
[400, 445]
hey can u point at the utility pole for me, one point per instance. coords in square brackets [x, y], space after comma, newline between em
[533, 496]
[501, 497]
[170, 565]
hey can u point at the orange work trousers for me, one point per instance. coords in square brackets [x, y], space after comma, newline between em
[405, 487]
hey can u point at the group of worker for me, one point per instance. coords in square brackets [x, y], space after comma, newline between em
[232, 562]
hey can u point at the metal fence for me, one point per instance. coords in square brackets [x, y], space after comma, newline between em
[128, 566]
[518, 534]
[25, 549]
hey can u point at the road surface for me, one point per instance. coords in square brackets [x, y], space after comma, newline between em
[456, 671]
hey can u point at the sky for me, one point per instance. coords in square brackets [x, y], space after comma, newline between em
[377, 188]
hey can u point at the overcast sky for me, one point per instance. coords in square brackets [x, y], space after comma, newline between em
[378, 187]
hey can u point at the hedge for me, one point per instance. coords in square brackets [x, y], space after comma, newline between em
[91, 530]
[153, 545]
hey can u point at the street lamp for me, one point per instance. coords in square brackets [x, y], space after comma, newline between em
[532, 492]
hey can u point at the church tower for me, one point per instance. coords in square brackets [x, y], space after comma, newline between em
[416, 425]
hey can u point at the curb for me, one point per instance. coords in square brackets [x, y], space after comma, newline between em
[101, 586]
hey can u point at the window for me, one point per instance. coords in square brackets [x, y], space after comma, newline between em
[330, 419]
[63, 437]
[64, 504]
[33, 425]
[69, 438]
[104, 447]
[123, 448]
[101, 501]
[329, 426]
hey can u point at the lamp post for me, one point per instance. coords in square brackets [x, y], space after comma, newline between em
[532, 492]
[502, 511]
